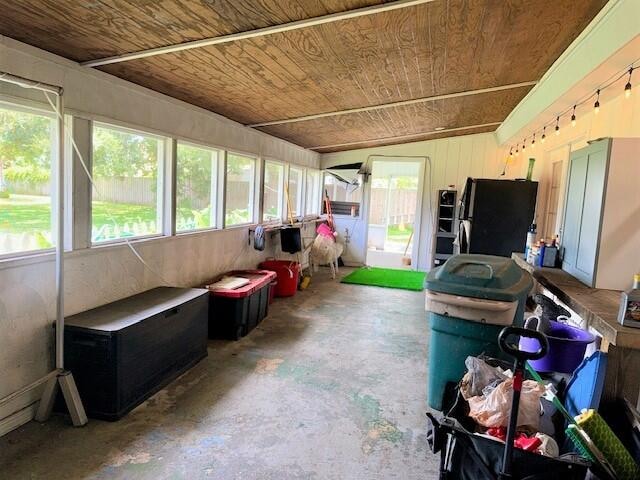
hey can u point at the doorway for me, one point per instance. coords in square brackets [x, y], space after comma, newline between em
[394, 213]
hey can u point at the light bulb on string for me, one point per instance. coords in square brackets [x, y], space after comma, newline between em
[533, 141]
[573, 117]
[511, 152]
[627, 87]
[557, 125]
[596, 106]
[544, 135]
[524, 146]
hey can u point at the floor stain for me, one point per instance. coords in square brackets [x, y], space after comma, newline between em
[377, 427]
[305, 375]
[267, 365]
[118, 458]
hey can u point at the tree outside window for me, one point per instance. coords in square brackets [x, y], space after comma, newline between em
[26, 148]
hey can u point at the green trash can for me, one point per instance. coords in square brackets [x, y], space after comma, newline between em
[469, 300]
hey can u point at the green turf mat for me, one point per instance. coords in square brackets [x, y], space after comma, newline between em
[387, 277]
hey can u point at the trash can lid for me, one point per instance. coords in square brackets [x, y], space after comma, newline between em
[480, 276]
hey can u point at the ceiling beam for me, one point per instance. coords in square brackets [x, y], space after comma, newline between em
[402, 137]
[260, 32]
[401, 103]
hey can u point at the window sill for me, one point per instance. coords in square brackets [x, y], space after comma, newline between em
[197, 231]
[240, 225]
[125, 240]
[27, 258]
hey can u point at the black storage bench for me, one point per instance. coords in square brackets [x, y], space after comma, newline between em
[123, 352]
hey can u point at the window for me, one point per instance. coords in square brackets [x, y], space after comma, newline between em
[27, 145]
[196, 187]
[240, 189]
[273, 186]
[296, 176]
[126, 168]
[344, 192]
[313, 195]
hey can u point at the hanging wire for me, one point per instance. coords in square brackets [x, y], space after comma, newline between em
[95, 187]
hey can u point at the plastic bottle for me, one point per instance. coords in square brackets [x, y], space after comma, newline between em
[531, 238]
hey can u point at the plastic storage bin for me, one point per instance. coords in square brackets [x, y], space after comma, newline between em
[469, 300]
[288, 274]
[272, 290]
[123, 352]
[233, 313]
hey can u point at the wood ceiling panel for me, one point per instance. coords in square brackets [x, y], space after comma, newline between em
[414, 138]
[431, 49]
[435, 48]
[405, 120]
[86, 30]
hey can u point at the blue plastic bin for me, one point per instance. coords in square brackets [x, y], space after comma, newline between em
[469, 300]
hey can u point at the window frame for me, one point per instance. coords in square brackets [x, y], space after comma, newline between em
[32, 107]
[323, 175]
[220, 163]
[254, 195]
[282, 207]
[301, 208]
[316, 209]
[163, 189]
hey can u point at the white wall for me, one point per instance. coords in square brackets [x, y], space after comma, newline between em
[99, 275]
[451, 161]
[618, 117]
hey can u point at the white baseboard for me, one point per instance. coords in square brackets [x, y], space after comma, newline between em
[18, 418]
[20, 407]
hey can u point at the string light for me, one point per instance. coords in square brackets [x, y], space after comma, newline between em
[517, 153]
[596, 110]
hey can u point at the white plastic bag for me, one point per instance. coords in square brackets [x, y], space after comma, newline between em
[493, 409]
[479, 375]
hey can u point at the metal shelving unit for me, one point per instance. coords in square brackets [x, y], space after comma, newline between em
[445, 225]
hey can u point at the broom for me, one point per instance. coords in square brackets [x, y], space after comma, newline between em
[407, 260]
[304, 283]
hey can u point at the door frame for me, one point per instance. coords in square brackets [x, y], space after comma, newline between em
[417, 222]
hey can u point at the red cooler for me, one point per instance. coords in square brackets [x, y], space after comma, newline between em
[233, 313]
[288, 274]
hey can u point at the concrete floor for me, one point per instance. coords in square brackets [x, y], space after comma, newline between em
[330, 386]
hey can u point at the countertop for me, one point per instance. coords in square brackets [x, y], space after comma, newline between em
[597, 307]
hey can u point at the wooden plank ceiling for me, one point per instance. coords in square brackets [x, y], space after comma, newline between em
[436, 48]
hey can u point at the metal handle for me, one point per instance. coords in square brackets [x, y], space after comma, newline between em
[514, 351]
